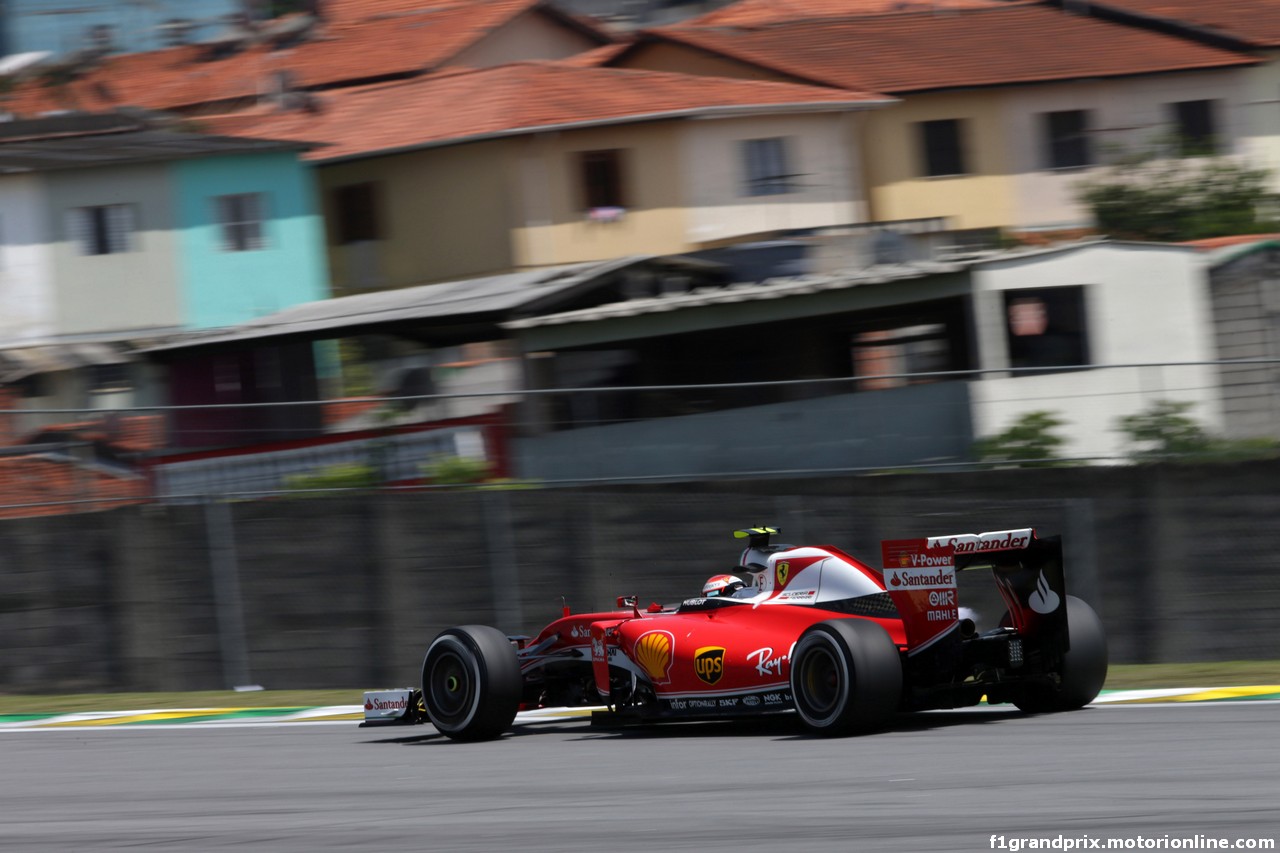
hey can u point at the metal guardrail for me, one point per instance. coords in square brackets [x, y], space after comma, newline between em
[570, 435]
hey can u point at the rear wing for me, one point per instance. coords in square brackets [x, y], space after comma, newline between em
[920, 576]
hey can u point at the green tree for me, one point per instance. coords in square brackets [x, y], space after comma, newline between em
[1029, 443]
[1171, 199]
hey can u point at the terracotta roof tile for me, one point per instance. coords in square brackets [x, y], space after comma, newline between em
[452, 107]
[1209, 243]
[599, 56]
[755, 12]
[47, 485]
[1252, 22]
[974, 47]
[345, 53]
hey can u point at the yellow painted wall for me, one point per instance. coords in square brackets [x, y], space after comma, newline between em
[551, 224]
[444, 213]
[894, 162]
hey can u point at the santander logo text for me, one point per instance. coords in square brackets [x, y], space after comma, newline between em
[908, 579]
[981, 543]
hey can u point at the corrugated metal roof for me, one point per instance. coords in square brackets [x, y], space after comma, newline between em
[803, 285]
[774, 288]
[20, 362]
[131, 146]
[451, 301]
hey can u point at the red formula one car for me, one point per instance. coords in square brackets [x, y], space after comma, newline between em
[815, 631]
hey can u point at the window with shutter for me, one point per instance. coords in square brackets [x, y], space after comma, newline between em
[765, 162]
[104, 229]
[240, 218]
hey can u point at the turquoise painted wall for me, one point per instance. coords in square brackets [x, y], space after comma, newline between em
[221, 287]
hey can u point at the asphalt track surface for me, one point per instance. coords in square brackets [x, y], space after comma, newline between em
[938, 781]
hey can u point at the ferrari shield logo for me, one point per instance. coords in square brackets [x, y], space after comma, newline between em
[782, 571]
[708, 663]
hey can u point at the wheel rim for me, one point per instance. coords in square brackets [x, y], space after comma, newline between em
[820, 676]
[450, 685]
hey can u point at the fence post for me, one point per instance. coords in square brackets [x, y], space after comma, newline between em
[1080, 540]
[504, 571]
[228, 606]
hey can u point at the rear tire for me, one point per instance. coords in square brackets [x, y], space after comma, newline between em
[471, 683]
[846, 677]
[1084, 667]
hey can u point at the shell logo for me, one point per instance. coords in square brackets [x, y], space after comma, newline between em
[653, 653]
[904, 561]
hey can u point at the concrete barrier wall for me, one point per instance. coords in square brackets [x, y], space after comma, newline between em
[1183, 563]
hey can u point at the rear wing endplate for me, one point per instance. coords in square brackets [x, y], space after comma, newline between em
[920, 576]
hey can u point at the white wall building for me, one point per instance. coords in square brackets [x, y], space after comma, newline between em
[1116, 305]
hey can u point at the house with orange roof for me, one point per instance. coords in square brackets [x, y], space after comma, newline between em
[1002, 108]
[749, 13]
[348, 44]
[115, 230]
[533, 164]
[1251, 26]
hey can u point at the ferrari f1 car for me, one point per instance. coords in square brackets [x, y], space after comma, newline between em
[817, 632]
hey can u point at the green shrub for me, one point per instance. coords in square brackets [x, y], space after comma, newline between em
[346, 476]
[1029, 443]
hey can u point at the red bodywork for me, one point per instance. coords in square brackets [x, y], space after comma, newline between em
[716, 655]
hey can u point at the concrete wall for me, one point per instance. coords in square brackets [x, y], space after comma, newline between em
[26, 289]
[133, 290]
[443, 215]
[222, 287]
[1122, 284]
[1126, 115]
[821, 151]
[347, 591]
[531, 35]
[983, 197]
[895, 426]
[1246, 319]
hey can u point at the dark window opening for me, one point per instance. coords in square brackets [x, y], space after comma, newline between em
[1067, 136]
[601, 173]
[943, 151]
[1045, 327]
[110, 378]
[1194, 128]
[356, 213]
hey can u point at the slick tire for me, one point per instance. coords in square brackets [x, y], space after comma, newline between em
[846, 677]
[1084, 667]
[471, 683]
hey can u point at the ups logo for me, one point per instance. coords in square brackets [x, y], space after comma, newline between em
[708, 663]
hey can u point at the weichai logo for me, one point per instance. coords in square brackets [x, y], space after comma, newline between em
[708, 663]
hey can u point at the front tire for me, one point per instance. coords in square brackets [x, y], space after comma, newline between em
[471, 683]
[1083, 670]
[846, 677]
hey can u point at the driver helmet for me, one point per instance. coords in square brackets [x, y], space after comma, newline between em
[722, 586]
